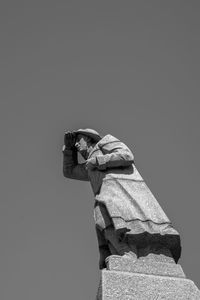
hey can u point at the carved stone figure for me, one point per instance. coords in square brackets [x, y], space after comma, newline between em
[129, 221]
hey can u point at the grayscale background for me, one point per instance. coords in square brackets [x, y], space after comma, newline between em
[128, 68]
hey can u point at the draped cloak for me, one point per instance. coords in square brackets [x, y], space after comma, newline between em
[122, 199]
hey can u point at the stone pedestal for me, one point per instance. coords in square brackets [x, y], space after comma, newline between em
[145, 280]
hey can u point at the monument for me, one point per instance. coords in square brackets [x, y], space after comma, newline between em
[139, 248]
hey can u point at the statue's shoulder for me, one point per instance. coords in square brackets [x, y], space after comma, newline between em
[107, 139]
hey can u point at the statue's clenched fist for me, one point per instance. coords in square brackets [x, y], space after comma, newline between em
[69, 139]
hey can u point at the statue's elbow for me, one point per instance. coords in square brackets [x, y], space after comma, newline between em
[129, 157]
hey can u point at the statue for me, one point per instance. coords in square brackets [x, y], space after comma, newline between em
[129, 221]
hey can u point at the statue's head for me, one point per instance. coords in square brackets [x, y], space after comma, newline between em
[86, 139]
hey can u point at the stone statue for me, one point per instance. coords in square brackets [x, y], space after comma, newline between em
[129, 221]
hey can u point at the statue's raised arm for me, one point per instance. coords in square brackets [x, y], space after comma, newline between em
[71, 168]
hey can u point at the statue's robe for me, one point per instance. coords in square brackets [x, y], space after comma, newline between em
[122, 199]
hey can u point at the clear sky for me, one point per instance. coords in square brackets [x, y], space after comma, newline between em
[128, 68]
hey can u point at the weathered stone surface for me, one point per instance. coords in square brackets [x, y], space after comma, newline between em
[117, 263]
[131, 286]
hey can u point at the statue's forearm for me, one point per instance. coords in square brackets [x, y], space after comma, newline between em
[71, 168]
[114, 160]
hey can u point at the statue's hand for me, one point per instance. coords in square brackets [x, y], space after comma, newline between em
[91, 163]
[69, 139]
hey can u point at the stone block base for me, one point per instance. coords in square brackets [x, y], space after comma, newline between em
[145, 266]
[117, 285]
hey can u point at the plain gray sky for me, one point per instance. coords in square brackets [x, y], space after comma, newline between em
[128, 68]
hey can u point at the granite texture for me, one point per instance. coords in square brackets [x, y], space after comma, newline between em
[117, 285]
[117, 263]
